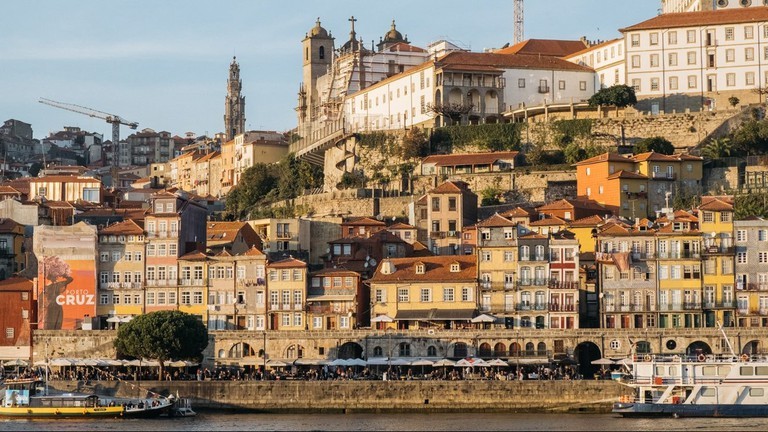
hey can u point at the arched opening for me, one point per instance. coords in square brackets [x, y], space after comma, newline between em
[321, 52]
[484, 350]
[751, 348]
[240, 350]
[350, 350]
[294, 352]
[525, 321]
[585, 353]
[643, 347]
[529, 349]
[378, 352]
[404, 349]
[698, 347]
[431, 351]
[541, 349]
[222, 354]
[491, 102]
[499, 350]
[514, 349]
[460, 350]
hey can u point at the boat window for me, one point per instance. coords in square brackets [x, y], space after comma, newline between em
[660, 370]
[746, 370]
[674, 371]
[709, 371]
[756, 392]
[708, 391]
[761, 370]
[723, 370]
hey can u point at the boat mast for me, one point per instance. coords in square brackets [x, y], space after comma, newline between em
[727, 341]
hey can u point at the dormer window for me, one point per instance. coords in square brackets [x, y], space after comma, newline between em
[455, 267]
[420, 268]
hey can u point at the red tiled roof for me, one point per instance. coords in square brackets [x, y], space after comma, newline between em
[589, 221]
[519, 212]
[363, 221]
[621, 174]
[702, 18]
[496, 221]
[457, 59]
[125, 227]
[436, 268]
[469, 158]
[253, 251]
[605, 157]
[16, 283]
[716, 205]
[287, 263]
[653, 156]
[194, 256]
[547, 47]
[400, 226]
[548, 221]
[567, 204]
[593, 47]
[451, 186]
[404, 47]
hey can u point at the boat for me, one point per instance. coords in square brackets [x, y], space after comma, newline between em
[29, 398]
[182, 407]
[698, 385]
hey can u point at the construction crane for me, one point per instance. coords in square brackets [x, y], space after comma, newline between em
[519, 21]
[115, 120]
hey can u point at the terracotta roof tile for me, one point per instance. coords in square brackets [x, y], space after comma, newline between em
[702, 18]
[400, 226]
[437, 269]
[548, 221]
[16, 283]
[716, 205]
[456, 59]
[589, 221]
[621, 174]
[547, 47]
[194, 256]
[287, 263]
[451, 186]
[128, 227]
[519, 212]
[605, 157]
[253, 251]
[363, 221]
[496, 221]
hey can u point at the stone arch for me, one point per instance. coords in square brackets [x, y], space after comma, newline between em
[460, 350]
[221, 354]
[404, 349]
[499, 350]
[752, 347]
[431, 351]
[240, 350]
[378, 351]
[541, 348]
[643, 347]
[350, 350]
[294, 351]
[529, 348]
[456, 96]
[514, 349]
[585, 353]
[698, 347]
[484, 350]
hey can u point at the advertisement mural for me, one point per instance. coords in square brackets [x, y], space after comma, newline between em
[66, 281]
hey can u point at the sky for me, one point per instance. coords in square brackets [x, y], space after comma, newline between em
[164, 64]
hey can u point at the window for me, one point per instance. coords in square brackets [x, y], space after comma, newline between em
[762, 257]
[635, 85]
[150, 250]
[105, 257]
[741, 235]
[672, 38]
[741, 257]
[691, 57]
[654, 38]
[673, 83]
[749, 32]
[583, 85]
[691, 36]
[402, 295]
[561, 85]
[692, 81]
[654, 60]
[9, 332]
[729, 33]
[730, 79]
[466, 294]
[654, 85]
[749, 54]
[672, 59]
[521, 82]
[636, 61]
[448, 294]
[426, 295]
[635, 40]
[379, 295]
[750, 78]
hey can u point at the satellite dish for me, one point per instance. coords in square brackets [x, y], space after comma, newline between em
[373, 261]
[366, 264]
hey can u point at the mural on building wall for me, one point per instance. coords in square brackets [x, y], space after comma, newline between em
[66, 276]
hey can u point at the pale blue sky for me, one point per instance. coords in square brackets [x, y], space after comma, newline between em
[164, 63]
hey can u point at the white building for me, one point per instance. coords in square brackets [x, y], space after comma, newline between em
[698, 60]
[673, 6]
[608, 61]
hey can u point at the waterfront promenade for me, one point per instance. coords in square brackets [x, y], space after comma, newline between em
[373, 396]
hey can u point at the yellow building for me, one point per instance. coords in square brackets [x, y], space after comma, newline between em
[287, 289]
[678, 247]
[193, 284]
[584, 230]
[121, 273]
[716, 222]
[425, 292]
[12, 259]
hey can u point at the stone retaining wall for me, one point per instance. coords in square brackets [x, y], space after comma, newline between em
[374, 396]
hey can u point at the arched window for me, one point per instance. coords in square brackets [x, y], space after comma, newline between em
[294, 351]
[431, 351]
[222, 353]
[378, 352]
[529, 348]
[500, 350]
[540, 253]
[525, 253]
[321, 52]
[405, 350]
[484, 350]
[460, 350]
[306, 54]
[514, 349]
[541, 348]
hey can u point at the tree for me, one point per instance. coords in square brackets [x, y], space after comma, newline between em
[162, 336]
[452, 110]
[655, 144]
[733, 101]
[414, 145]
[620, 96]
[574, 153]
[717, 148]
[753, 204]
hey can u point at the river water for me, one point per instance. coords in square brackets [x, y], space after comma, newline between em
[213, 421]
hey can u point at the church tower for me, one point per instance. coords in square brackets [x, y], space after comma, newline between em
[317, 50]
[234, 104]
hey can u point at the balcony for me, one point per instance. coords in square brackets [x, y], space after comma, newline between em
[496, 286]
[282, 235]
[679, 255]
[752, 286]
[663, 176]
[718, 250]
[533, 282]
[554, 307]
[566, 285]
[544, 89]
[436, 235]
[692, 306]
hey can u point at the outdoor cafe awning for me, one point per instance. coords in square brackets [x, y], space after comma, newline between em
[436, 315]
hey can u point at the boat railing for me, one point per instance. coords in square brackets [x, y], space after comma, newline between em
[697, 358]
[676, 380]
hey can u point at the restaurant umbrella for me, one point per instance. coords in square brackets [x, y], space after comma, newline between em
[498, 362]
[603, 361]
[276, 363]
[357, 362]
[422, 362]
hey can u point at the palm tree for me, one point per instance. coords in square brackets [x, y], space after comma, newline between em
[717, 148]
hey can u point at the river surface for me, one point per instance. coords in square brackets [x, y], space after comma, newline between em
[213, 421]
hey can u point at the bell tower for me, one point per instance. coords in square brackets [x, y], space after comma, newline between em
[317, 53]
[234, 104]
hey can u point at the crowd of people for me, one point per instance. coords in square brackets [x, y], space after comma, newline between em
[308, 373]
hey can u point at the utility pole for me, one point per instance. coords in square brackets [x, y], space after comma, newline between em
[519, 22]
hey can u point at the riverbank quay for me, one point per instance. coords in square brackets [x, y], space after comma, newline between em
[372, 396]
